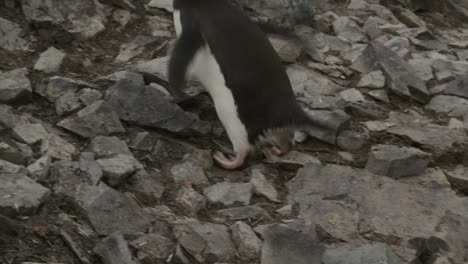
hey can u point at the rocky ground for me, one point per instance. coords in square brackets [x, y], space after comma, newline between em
[99, 165]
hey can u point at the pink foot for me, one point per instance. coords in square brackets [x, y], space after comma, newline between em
[272, 154]
[230, 163]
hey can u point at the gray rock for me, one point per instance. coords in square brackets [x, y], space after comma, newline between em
[247, 243]
[57, 16]
[153, 248]
[155, 69]
[189, 200]
[423, 68]
[40, 168]
[372, 27]
[146, 106]
[15, 152]
[229, 193]
[11, 36]
[455, 124]
[374, 79]
[50, 60]
[89, 168]
[117, 168]
[304, 80]
[59, 86]
[57, 148]
[399, 45]
[88, 96]
[335, 121]
[374, 207]
[134, 48]
[133, 77]
[380, 95]
[243, 213]
[30, 133]
[459, 178]
[161, 4]
[142, 141]
[188, 172]
[458, 87]
[105, 147]
[352, 54]
[451, 105]
[438, 139]
[114, 250]
[125, 4]
[285, 245]
[205, 240]
[201, 157]
[96, 119]
[347, 28]
[15, 85]
[408, 18]
[397, 162]
[262, 186]
[106, 209]
[288, 50]
[401, 77]
[20, 194]
[8, 167]
[146, 186]
[431, 178]
[443, 70]
[67, 103]
[351, 141]
[352, 95]
[356, 253]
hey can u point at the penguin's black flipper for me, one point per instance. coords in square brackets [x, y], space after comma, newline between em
[184, 50]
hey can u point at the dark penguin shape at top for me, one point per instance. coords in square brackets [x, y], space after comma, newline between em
[234, 60]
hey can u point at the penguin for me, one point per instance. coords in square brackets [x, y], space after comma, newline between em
[218, 45]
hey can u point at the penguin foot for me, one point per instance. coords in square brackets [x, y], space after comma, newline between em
[272, 154]
[230, 163]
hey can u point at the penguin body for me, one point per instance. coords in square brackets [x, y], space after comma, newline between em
[234, 60]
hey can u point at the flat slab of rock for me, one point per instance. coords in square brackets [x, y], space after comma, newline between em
[134, 48]
[334, 120]
[10, 36]
[202, 239]
[243, 213]
[114, 249]
[105, 147]
[347, 28]
[146, 106]
[50, 60]
[375, 79]
[305, 81]
[153, 248]
[8, 167]
[397, 162]
[188, 172]
[116, 169]
[361, 254]
[285, 245]
[162, 4]
[229, 193]
[451, 105]
[401, 77]
[96, 119]
[262, 186]
[15, 85]
[459, 178]
[20, 194]
[381, 209]
[438, 139]
[248, 244]
[189, 200]
[288, 50]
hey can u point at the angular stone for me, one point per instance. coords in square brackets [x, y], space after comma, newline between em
[229, 193]
[243, 213]
[285, 245]
[153, 248]
[188, 172]
[20, 194]
[201, 240]
[372, 27]
[397, 162]
[374, 79]
[347, 28]
[116, 169]
[161, 4]
[402, 79]
[423, 68]
[96, 119]
[431, 178]
[334, 120]
[383, 209]
[459, 178]
[304, 80]
[114, 249]
[146, 106]
[409, 18]
[189, 200]
[30, 133]
[399, 45]
[349, 140]
[11, 36]
[458, 87]
[57, 148]
[56, 16]
[67, 103]
[455, 124]
[146, 186]
[105, 147]
[59, 86]
[451, 105]
[15, 85]
[247, 243]
[88, 96]
[50, 60]
[262, 186]
[15, 152]
[133, 77]
[355, 253]
[8, 167]
[134, 48]
[201, 157]
[288, 50]
[438, 139]
[380, 95]
[352, 95]
[155, 69]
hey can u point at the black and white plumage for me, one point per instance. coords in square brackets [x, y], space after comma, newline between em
[234, 60]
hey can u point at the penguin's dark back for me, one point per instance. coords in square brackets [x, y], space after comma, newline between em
[251, 67]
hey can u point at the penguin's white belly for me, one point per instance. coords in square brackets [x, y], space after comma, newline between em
[206, 70]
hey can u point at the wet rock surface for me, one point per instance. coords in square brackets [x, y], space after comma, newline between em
[99, 164]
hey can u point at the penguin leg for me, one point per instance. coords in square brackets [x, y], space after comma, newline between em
[230, 163]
